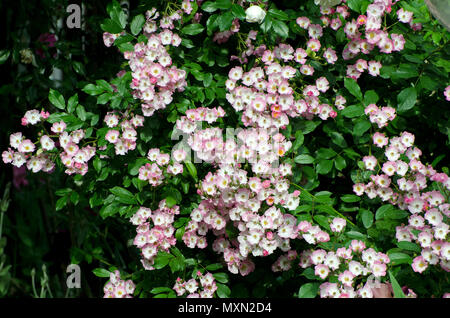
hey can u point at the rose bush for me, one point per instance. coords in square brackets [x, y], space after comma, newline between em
[292, 148]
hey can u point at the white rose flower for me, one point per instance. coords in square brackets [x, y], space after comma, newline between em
[255, 14]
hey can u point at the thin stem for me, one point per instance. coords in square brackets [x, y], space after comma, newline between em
[33, 284]
[334, 210]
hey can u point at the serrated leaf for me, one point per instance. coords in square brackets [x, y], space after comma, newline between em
[350, 198]
[340, 163]
[278, 14]
[191, 169]
[162, 259]
[72, 103]
[370, 97]
[209, 6]
[170, 201]
[280, 28]
[406, 99]
[109, 210]
[56, 99]
[158, 290]
[304, 159]
[225, 20]
[192, 29]
[123, 195]
[355, 235]
[213, 267]
[81, 112]
[221, 277]
[223, 291]
[398, 293]
[4, 54]
[409, 246]
[380, 213]
[398, 258]
[338, 139]
[137, 23]
[324, 166]
[238, 11]
[308, 290]
[352, 86]
[361, 127]
[266, 25]
[352, 111]
[367, 218]
[92, 90]
[101, 272]
[111, 26]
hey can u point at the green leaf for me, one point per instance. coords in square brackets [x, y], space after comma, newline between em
[223, 291]
[370, 97]
[56, 99]
[101, 272]
[213, 267]
[398, 258]
[133, 169]
[406, 99]
[104, 85]
[111, 26]
[176, 264]
[4, 54]
[367, 218]
[238, 11]
[409, 246]
[353, 111]
[361, 127]
[299, 139]
[109, 210]
[62, 202]
[352, 86]
[222, 4]
[170, 201]
[340, 163]
[104, 98]
[398, 293]
[221, 277]
[158, 290]
[308, 290]
[123, 195]
[225, 20]
[405, 71]
[72, 103]
[280, 28]
[162, 259]
[304, 159]
[396, 214]
[322, 220]
[81, 112]
[380, 213]
[278, 14]
[192, 170]
[350, 198]
[324, 166]
[209, 6]
[137, 23]
[355, 235]
[338, 139]
[192, 29]
[92, 90]
[326, 153]
[358, 5]
[267, 24]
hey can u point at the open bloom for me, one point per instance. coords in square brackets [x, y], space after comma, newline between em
[255, 14]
